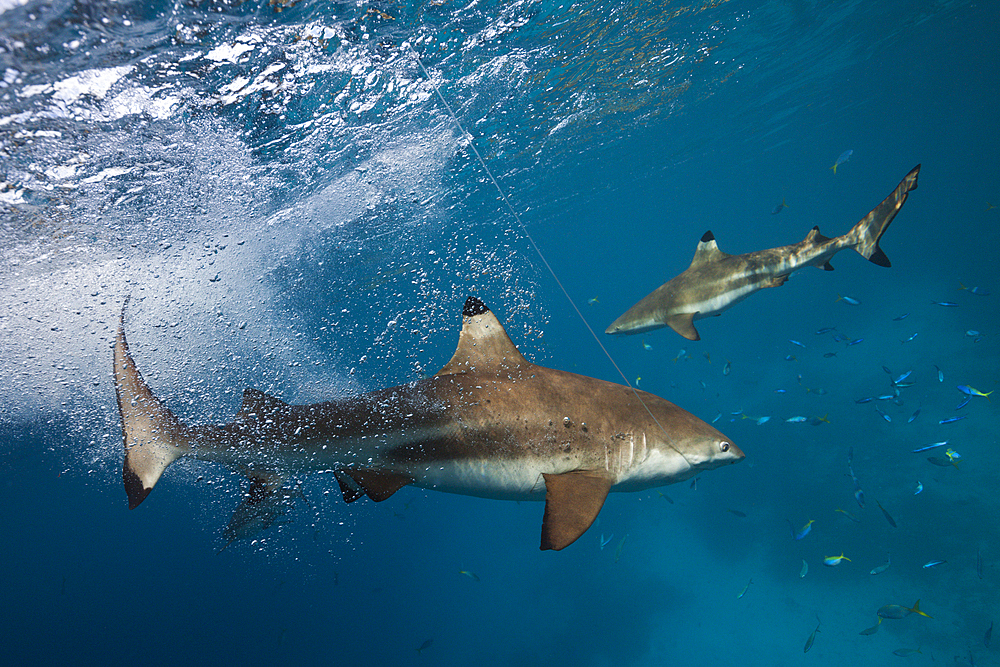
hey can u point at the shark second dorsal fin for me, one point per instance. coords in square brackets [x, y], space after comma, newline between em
[257, 405]
[707, 251]
[572, 502]
[483, 343]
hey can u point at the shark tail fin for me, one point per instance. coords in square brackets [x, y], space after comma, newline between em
[154, 436]
[865, 235]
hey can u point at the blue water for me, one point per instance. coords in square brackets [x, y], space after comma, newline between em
[292, 207]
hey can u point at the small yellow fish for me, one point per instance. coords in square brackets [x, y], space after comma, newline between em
[833, 561]
[899, 611]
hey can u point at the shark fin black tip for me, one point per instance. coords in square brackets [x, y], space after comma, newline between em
[134, 488]
[879, 257]
[474, 306]
[707, 236]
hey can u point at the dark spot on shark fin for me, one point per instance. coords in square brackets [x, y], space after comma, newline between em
[378, 484]
[483, 343]
[707, 251]
[828, 267]
[258, 403]
[878, 257]
[134, 488]
[572, 502]
[683, 323]
[474, 306]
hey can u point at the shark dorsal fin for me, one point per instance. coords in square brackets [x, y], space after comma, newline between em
[483, 343]
[707, 251]
[257, 405]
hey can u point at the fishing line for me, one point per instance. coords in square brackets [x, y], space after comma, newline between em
[524, 230]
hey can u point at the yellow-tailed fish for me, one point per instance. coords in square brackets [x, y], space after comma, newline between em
[899, 611]
[470, 575]
[848, 515]
[833, 561]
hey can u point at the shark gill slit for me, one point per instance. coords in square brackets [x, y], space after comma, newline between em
[541, 255]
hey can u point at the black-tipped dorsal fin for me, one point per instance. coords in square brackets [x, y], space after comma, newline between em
[257, 405]
[707, 251]
[483, 343]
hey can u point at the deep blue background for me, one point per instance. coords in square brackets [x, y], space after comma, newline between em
[305, 217]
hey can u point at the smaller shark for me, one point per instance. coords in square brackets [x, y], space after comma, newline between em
[716, 281]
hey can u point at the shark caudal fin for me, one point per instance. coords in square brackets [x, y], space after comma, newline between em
[154, 437]
[865, 235]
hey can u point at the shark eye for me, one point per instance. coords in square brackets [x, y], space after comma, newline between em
[724, 446]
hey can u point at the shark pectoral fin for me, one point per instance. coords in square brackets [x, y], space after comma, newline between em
[377, 484]
[572, 502]
[683, 324]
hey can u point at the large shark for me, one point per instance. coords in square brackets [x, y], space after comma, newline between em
[716, 281]
[489, 424]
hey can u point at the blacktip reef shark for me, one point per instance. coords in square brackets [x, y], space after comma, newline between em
[716, 281]
[489, 424]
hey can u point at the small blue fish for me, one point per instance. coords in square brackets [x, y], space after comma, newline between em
[949, 420]
[934, 563]
[913, 416]
[909, 339]
[847, 299]
[833, 561]
[902, 377]
[948, 304]
[780, 391]
[592, 301]
[965, 401]
[646, 345]
[940, 374]
[844, 157]
[777, 209]
[605, 542]
[900, 317]
[920, 487]
[727, 368]
[824, 330]
[790, 357]
[763, 420]
[796, 420]
[795, 342]
[867, 399]
[805, 530]
[839, 338]
[972, 333]
[926, 447]
[717, 417]
[883, 415]
[855, 341]
[975, 290]
[829, 355]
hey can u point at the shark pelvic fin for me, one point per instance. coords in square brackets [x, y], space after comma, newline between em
[376, 484]
[683, 323]
[707, 251]
[572, 502]
[865, 236]
[483, 343]
[154, 437]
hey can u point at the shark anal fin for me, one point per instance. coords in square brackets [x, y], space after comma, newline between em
[683, 323]
[377, 484]
[777, 281]
[348, 487]
[572, 502]
[828, 266]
